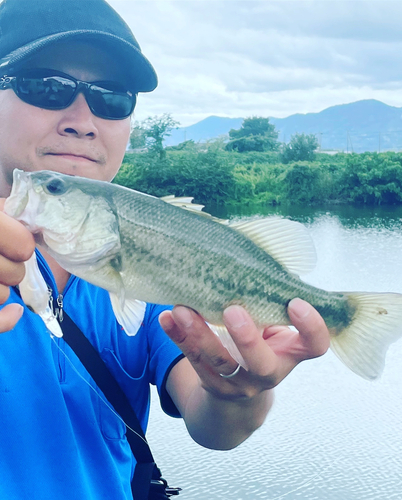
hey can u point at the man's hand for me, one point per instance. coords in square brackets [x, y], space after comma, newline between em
[16, 246]
[270, 356]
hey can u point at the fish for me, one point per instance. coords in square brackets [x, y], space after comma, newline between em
[145, 249]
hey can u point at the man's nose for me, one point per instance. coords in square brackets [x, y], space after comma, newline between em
[78, 119]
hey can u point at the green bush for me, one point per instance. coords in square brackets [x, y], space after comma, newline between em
[214, 176]
[374, 179]
[260, 183]
[206, 175]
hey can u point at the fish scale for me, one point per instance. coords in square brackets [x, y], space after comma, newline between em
[190, 275]
[249, 277]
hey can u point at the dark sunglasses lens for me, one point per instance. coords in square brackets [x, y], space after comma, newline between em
[53, 92]
[58, 92]
[111, 104]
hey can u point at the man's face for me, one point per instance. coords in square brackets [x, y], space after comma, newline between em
[72, 140]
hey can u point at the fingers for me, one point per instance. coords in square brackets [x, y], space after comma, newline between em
[16, 242]
[16, 246]
[9, 316]
[11, 272]
[197, 342]
[269, 356]
[210, 358]
[4, 293]
[257, 355]
[313, 332]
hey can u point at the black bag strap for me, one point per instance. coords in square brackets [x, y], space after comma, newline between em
[146, 469]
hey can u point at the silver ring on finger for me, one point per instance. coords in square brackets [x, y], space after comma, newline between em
[234, 373]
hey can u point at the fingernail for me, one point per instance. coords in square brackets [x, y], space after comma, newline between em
[20, 310]
[235, 317]
[166, 321]
[300, 308]
[185, 317]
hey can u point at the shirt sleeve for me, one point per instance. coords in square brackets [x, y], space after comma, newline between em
[164, 354]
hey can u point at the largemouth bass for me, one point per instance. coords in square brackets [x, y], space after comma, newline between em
[143, 249]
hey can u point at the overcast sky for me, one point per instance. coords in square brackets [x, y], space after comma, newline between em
[266, 58]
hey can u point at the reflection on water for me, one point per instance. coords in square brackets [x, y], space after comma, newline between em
[330, 435]
[348, 215]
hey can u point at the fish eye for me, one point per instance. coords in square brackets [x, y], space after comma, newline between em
[55, 186]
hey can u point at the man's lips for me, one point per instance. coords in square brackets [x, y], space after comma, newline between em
[72, 153]
[73, 157]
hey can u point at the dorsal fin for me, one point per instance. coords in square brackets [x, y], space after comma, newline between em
[288, 242]
[186, 202]
[183, 202]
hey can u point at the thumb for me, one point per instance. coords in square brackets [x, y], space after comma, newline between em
[9, 316]
[314, 334]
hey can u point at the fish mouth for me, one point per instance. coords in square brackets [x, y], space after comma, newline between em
[17, 201]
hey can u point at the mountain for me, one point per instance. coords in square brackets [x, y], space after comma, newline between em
[209, 128]
[360, 126]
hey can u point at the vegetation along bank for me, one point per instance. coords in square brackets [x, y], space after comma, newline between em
[253, 167]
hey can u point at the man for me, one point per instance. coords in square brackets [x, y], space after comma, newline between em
[57, 438]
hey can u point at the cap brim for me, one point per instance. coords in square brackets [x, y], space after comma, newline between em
[141, 76]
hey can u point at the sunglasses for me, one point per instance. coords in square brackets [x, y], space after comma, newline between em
[49, 89]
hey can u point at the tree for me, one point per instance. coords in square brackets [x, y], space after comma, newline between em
[255, 134]
[300, 148]
[137, 137]
[155, 130]
[190, 144]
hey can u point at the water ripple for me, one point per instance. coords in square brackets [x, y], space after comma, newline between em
[330, 435]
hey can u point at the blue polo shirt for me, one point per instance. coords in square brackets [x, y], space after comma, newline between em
[58, 438]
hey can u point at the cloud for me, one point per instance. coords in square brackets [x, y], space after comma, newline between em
[269, 58]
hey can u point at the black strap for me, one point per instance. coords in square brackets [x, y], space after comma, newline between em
[146, 468]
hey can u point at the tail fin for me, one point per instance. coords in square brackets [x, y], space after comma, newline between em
[376, 324]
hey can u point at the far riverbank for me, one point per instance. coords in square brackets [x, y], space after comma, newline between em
[216, 177]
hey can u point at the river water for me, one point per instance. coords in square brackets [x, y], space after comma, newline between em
[330, 435]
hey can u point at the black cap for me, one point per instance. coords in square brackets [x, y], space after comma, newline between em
[27, 26]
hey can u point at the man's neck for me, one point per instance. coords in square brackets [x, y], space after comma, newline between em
[5, 186]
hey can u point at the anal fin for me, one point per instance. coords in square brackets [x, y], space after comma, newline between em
[227, 341]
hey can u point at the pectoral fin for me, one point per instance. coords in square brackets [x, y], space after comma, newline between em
[129, 313]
